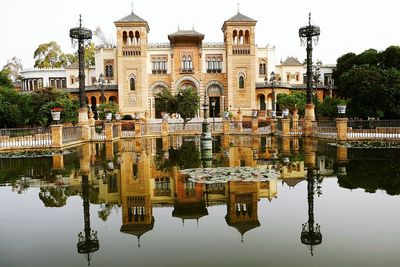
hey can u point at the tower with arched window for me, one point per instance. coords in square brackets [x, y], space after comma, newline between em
[131, 63]
[241, 62]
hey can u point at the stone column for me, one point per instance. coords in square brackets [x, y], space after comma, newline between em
[285, 127]
[226, 127]
[86, 133]
[341, 128]
[273, 126]
[56, 136]
[109, 150]
[308, 128]
[138, 129]
[254, 125]
[58, 162]
[164, 128]
[109, 131]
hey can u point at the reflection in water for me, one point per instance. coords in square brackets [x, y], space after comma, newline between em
[87, 242]
[135, 176]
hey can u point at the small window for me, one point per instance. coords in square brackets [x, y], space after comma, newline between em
[241, 82]
[132, 84]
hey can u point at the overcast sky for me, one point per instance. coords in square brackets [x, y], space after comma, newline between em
[346, 25]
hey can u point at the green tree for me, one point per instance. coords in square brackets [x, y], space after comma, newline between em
[187, 104]
[292, 101]
[5, 81]
[328, 108]
[13, 67]
[15, 108]
[43, 100]
[107, 107]
[167, 102]
[373, 91]
[390, 58]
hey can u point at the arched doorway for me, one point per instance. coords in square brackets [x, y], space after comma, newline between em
[93, 102]
[159, 106]
[262, 104]
[216, 99]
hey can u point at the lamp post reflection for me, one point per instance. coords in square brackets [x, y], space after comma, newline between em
[88, 242]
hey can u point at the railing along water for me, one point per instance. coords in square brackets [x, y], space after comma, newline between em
[25, 137]
[97, 133]
[71, 134]
[325, 129]
[373, 129]
[128, 129]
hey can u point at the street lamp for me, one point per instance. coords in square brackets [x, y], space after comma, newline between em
[82, 36]
[309, 34]
[213, 102]
[272, 81]
[101, 87]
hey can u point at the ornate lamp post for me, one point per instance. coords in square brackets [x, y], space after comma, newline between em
[82, 37]
[88, 242]
[101, 87]
[272, 81]
[311, 232]
[309, 34]
[206, 139]
[213, 102]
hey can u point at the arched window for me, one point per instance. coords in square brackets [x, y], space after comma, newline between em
[130, 39]
[241, 37]
[234, 37]
[137, 38]
[124, 38]
[132, 84]
[241, 82]
[109, 71]
[189, 63]
[184, 62]
[247, 37]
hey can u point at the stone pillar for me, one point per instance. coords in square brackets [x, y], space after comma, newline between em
[164, 128]
[86, 133]
[309, 113]
[285, 145]
[295, 120]
[273, 126]
[119, 125]
[56, 136]
[91, 119]
[85, 159]
[341, 128]
[83, 116]
[109, 150]
[307, 128]
[226, 141]
[254, 125]
[138, 129]
[285, 127]
[109, 131]
[309, 153]
[226, 126]
[341, 153]
[165, 143]
[58, 162]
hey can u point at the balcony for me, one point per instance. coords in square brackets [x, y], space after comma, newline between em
[131, 50]
[241, 49]
[159, 71]
[186, 70]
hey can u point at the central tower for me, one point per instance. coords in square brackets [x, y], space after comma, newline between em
[131, 61]
[241, 62]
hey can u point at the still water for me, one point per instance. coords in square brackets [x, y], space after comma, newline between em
[127, 203]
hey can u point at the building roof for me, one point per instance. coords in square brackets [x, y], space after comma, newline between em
[240, 17]
[291, 61]
[131, 18]
[185, 33]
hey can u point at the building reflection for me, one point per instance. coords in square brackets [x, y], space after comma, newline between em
[139, 174]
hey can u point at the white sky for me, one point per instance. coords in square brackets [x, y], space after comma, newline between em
[346, 25]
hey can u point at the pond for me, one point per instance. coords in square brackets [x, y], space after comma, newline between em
[129, 203]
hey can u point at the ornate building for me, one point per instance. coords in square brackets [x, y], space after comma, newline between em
[227, 71]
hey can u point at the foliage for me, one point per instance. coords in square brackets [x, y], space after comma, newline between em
[373, 91]
[101, 38]
[187, 104]
[5, 81]
[19, 105]
[13, 68]
[328, 108]
[372, 175]
[371, 81]
[187, 156]
[127, 117]
[106, 108]
[292, 101]
[43, 100]
[167, 102]
[49, 55]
